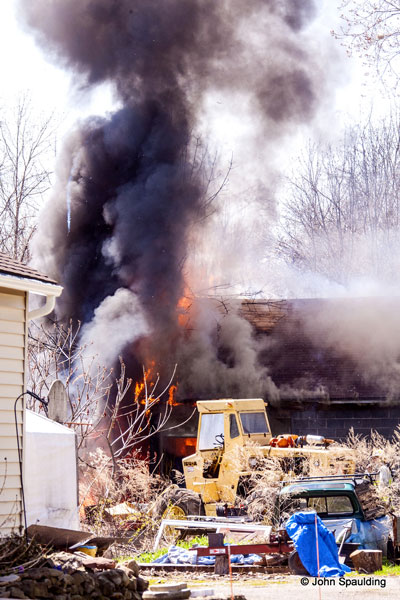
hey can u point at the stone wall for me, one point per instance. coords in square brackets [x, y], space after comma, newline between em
[114, 584]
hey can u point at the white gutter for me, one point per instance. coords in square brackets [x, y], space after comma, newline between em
[51, 291]
[46, 309]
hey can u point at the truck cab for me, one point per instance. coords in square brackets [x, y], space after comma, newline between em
[224, 425]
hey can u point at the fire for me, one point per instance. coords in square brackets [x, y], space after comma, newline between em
[171, 395]
[183, 309]
[144, 388]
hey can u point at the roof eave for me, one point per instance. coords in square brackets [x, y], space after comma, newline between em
[26, 284]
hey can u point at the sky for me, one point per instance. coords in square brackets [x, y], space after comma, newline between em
[24, 67]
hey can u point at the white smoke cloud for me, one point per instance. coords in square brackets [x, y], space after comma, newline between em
[119, 320]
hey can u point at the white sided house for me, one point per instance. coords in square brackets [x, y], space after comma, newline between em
[17, 283]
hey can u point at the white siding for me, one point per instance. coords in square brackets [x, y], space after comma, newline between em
[12, 369]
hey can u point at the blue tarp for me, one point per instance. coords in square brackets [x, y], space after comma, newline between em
[180, 556]
[301, 528]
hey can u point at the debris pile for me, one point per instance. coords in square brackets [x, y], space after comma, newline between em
[70, 576]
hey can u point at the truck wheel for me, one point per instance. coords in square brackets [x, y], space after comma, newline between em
[296, 567]
[178, 503]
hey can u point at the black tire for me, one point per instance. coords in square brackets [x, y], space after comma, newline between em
[296, 567]
[188, 501]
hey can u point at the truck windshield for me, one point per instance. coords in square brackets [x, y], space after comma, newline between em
[254, 422]
[211, 431]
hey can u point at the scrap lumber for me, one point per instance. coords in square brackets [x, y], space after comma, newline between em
[367, 561]
[373, 507]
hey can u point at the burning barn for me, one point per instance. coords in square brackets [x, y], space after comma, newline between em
[326, 366]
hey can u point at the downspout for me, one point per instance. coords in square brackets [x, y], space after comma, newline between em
[47, 308]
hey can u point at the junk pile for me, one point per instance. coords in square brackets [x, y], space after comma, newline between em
[46, 565]
[72, 576]
[181, 556]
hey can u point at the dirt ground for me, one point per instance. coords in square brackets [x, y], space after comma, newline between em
[273, 587]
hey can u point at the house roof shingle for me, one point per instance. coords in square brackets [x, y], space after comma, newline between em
[9, 266]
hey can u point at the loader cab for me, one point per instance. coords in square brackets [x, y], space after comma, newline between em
[224, 424]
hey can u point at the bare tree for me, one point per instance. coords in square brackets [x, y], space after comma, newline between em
[114, 413]
[26, 143]
[341, 213]
[372, 28]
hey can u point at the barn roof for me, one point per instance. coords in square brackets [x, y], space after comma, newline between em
[308, 361]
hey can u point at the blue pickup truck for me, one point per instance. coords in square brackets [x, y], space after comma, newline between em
[349, 506]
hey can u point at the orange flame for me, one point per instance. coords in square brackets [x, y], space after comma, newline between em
[140, 386]
[171, 395]
[183, 310]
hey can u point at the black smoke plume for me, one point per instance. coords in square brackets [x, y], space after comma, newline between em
[130, 188]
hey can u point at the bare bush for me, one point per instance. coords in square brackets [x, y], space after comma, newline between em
[259, 491]
[119, 503]
[388, 452]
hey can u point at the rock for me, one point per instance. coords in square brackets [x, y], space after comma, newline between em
[123, 573]
[32, 574]
[132, 585]
[133, 566]
[107, 586]
[7, 579]
[97, 562]
[168, 587]
[114, 576]
[78, 577]
[178, 595]
[142, 584]
[17, 593]
[41, 590]
[68, 579]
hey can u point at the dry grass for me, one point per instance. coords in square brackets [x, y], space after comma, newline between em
[390, 455]
[261, 487]
[129, 485]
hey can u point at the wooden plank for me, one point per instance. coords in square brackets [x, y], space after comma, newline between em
[9, 481]
[8, 430]
[10, 453]
[12, 314]
[6, 531]
[7, 392]
[12, 327]
[11, 512]
[12, 339]
[15, 298]
[11, 468]
[8, 443]
[10, 378]
[12, 352]
[7, 416]
[10, 365]
[367, 561]
[11, 495]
